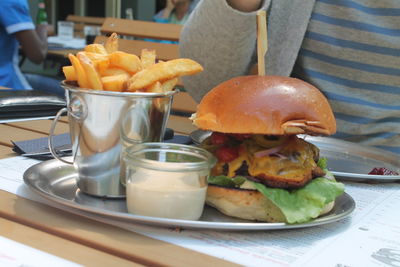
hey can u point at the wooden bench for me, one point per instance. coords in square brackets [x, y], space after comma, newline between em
[81, 21]
[142, 29]
[164, 51]
[183, 104]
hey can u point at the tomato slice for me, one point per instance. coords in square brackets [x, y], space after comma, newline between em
[219, 138]
[226, 153]
[241, 137]
[382, 171]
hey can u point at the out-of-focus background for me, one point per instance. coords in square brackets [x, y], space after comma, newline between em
[59, 10]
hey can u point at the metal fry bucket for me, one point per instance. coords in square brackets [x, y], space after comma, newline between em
[102, 124]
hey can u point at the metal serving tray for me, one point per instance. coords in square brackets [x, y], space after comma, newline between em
[346, 160]
[56, 182]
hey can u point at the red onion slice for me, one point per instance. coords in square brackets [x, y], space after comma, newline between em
[267, 152]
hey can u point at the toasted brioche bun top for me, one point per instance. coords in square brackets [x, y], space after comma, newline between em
[273, 105]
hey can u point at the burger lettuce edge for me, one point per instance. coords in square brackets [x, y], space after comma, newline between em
[298, 205]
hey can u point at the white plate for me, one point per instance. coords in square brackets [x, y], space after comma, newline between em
[346, 160]
[56, 182]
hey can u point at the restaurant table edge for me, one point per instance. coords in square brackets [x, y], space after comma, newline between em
[106, 238]
[58, 246]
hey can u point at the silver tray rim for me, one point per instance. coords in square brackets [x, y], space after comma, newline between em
[197, 135]
[33, 173]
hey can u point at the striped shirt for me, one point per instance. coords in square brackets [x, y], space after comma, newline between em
[351, 52]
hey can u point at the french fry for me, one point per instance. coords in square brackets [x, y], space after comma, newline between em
[112, 71]
[93, 76]
[148, 58]
[103, 67]
[128, 62]
[155, 88]
[163, 71]
[69, 73]
[81, 76]
[115, 83]
[96, 48]
[96, 56]
[100, 61]
[111, 43]
[169, 85]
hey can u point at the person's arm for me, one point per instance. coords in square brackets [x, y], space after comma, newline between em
[164, 14]
[34, 43]
[220, 38]
[245, 5]
[168, 9]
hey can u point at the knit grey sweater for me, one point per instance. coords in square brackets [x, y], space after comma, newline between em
[223, 40]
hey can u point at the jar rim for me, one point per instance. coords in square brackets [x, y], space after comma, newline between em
[134, 155]
[72, 88]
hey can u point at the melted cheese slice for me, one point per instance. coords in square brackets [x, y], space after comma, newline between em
[297, 158]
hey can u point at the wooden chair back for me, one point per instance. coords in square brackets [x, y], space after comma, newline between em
[164, 51]
[81, 21]
[142, 29]
[183, 103]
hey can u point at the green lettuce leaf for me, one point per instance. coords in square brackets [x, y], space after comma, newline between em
[300, 205]
[323, 163]
[304, 204]
[225, 181]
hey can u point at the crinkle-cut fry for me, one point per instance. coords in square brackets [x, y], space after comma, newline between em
[93, 76]
[148, 57]
[69, 73]
[126, 61]
[81, 76]
[112, 71]
[163, 71]
[169, 85]
[116, 83]
[111, 43]
[163, 87]
[96, 56]
[96, 48]
[155, 88]
[100, 61]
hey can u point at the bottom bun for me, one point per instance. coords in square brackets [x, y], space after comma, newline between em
[247, 204]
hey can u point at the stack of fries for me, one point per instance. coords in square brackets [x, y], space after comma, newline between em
[103, 67]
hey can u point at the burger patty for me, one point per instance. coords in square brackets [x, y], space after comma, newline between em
[276, 181]
[293, 167]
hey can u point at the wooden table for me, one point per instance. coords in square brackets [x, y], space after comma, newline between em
[61, 53]
[79, 239]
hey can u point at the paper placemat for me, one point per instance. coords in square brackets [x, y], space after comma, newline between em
[370, 237]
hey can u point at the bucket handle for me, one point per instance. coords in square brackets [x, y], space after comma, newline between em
[53, 151]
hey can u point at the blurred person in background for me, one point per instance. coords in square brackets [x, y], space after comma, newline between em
[18, 31]
[175, 11]
[349, 49]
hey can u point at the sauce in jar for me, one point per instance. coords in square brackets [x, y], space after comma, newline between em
[167, 180]
[166, 194]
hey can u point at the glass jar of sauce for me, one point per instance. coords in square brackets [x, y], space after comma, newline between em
[167, 180]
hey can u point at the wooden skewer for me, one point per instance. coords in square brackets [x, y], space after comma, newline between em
[262, 41]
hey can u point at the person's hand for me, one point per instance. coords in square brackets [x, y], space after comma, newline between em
[245, 5]
[50, 30]
[34, 43]
[170, 5]
[42, 30]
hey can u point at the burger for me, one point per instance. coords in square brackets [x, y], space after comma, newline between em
[265, 171]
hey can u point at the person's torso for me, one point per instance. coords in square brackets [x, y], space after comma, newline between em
[174, 20]
[351, 52]
[15, 18]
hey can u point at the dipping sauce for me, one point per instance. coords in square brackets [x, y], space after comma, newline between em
[166, 194]
[167, 180]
